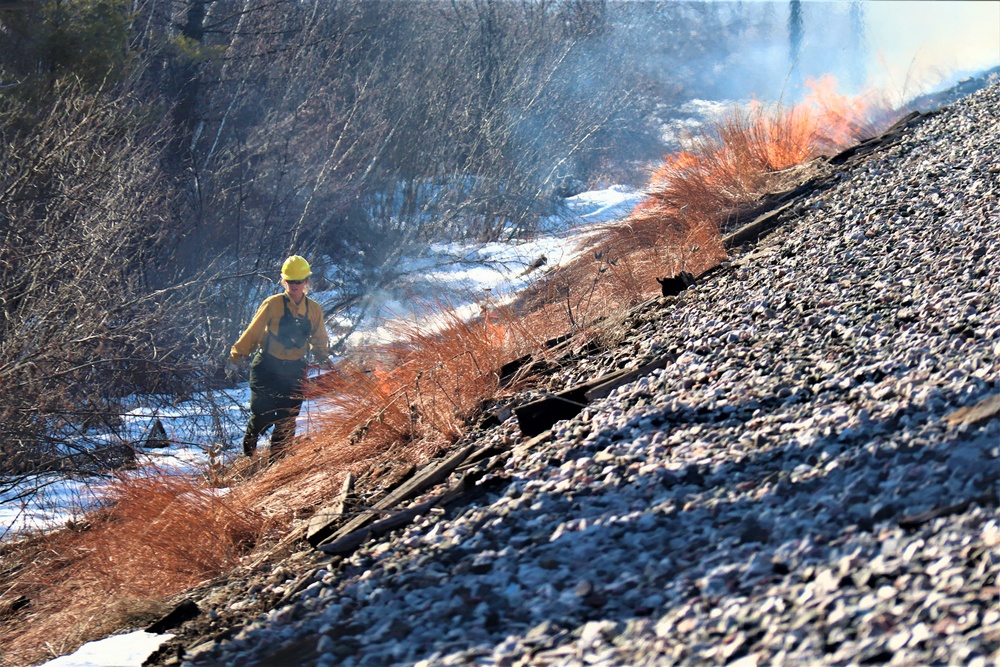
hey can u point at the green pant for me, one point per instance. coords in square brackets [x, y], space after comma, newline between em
[275, 399]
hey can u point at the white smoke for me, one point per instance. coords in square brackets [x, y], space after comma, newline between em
[896, 49]
[919, 47]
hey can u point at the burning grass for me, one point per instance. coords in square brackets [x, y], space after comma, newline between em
[399, 405]
[700, 193]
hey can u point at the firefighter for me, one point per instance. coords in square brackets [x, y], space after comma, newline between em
[284, 330]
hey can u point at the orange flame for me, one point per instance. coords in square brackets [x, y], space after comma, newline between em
[731, 163]
[840, 119]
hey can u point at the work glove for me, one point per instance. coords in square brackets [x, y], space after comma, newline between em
[325, 364]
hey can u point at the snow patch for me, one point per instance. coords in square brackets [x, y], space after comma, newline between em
[128, 650]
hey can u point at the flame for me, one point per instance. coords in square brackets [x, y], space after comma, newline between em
[840, 120]
[732, 162]
[745, 155]
[384, 381]
[679, 163]
[494, 331]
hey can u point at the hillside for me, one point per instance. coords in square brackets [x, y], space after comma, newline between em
[793, 475]
[811, 477]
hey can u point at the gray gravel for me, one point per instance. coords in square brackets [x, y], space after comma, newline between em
[743, 505]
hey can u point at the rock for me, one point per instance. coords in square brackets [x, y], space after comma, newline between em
[752, 531]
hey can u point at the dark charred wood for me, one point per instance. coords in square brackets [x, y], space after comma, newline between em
[537, 416]
[432, 474]
[558, 340]
[508, 370]
[523, 367]
[347, 543]
[914, 521]
[182, 613]
[676, 284]
[495, 417]
[156, 438]
[753, 231]
[612, 383]
[323, 523]
[884, 139]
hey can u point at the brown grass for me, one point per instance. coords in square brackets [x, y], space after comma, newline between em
[156, 536]
[159, 534]
[397, 405]
[697, 193]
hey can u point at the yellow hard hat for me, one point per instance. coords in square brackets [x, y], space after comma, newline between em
[295, 268]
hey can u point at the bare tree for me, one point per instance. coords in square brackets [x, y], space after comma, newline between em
[81, 325]
[795, 30]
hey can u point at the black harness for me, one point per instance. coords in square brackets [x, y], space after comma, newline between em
[293, 332]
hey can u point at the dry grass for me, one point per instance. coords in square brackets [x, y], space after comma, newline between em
[156, 536]
[696, 194]
[160, 534]
[398, 405]
[168, 529]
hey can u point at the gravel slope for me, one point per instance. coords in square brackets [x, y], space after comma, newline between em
[788, 492]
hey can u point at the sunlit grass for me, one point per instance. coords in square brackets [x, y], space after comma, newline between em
[154, 536]
[696, 195]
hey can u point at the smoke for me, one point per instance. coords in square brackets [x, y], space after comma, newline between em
[919, 47]
[896, 50]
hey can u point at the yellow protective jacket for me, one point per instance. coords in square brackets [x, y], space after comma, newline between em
[263, 330]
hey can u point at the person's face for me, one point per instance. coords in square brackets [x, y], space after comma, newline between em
[296, 289]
